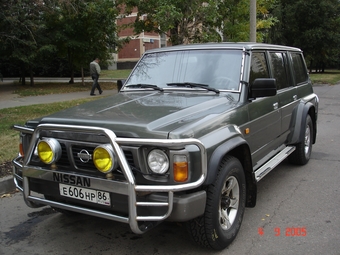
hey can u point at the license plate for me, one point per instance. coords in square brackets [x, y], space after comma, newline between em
[89, 195]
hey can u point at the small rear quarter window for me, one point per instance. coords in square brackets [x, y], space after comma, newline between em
[299, 67]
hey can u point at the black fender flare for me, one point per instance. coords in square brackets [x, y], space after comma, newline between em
[229, 147]
[218, 154]
[300, 123]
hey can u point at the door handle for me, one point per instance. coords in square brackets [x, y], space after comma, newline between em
[276, 105]
[295, 97]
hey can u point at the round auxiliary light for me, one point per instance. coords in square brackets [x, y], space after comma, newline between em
[49, 150]
[158, 161]
[104, 158]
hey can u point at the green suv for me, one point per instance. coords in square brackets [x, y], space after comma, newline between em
[191, 132]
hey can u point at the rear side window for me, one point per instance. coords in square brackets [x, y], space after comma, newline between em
[258, 67]
[299, 67]
[279, 67]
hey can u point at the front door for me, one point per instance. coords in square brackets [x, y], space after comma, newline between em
[264, 114]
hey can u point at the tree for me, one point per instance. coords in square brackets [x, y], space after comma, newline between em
[234, 19]
[311, 25]
[83, 30]
[21, 31]
[199, 20]
[181, 20]
[34, 31]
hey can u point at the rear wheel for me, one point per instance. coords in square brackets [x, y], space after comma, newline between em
[219, 225]
[303, 150]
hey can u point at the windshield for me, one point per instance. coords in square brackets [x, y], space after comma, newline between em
[218, 69]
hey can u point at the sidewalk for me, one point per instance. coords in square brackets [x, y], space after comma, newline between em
[8, 100]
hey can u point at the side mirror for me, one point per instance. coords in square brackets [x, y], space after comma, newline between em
[263, 87]
[120, 84]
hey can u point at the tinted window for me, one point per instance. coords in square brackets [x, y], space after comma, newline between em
[300, 71]
[278, 64]
[259, 67]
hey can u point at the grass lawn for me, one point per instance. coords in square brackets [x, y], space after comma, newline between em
[115, 74]
[328, 77]
[42, 88]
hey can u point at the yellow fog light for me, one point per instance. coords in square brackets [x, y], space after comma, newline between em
[104, 158]
[49, 150]
[181, 169]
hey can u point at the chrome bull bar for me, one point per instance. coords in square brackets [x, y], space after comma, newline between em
[129, 188]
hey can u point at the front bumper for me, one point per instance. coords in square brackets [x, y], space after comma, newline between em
[176, 204]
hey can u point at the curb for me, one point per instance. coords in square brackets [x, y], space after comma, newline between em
[7, 185]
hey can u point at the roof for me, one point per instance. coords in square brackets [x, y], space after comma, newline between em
[226, 45]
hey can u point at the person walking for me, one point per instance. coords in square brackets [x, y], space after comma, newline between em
[95, 72]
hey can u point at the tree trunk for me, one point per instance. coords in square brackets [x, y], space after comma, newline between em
[72, 76]
[69, 52]
[31, 77]
[82, 76]
[252, 34]
[311, 66]
[175, 36]
[22, 76]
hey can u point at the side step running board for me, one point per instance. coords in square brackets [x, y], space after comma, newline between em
[271, 164]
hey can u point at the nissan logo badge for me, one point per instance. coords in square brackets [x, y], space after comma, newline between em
[84, 156]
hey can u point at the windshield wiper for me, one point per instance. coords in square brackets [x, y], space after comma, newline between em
[193, 85]
[145, 86]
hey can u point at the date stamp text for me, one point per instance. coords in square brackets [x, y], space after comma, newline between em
[289, 231]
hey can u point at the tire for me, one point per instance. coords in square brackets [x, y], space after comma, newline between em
[225, 206]
[303, 150]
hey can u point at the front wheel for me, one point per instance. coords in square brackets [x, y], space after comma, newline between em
[225, 206]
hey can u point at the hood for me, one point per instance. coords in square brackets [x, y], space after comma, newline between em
[149, 114]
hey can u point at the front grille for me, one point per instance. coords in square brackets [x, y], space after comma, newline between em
[77, 161]
[64, 161]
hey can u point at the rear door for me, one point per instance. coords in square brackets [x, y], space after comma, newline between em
[287, 95]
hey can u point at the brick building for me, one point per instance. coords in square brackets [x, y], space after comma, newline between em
[128, 56]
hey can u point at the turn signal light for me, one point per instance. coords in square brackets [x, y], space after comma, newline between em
[21, 150]
[181, 169]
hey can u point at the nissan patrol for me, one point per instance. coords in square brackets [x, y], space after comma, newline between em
[191, 132]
